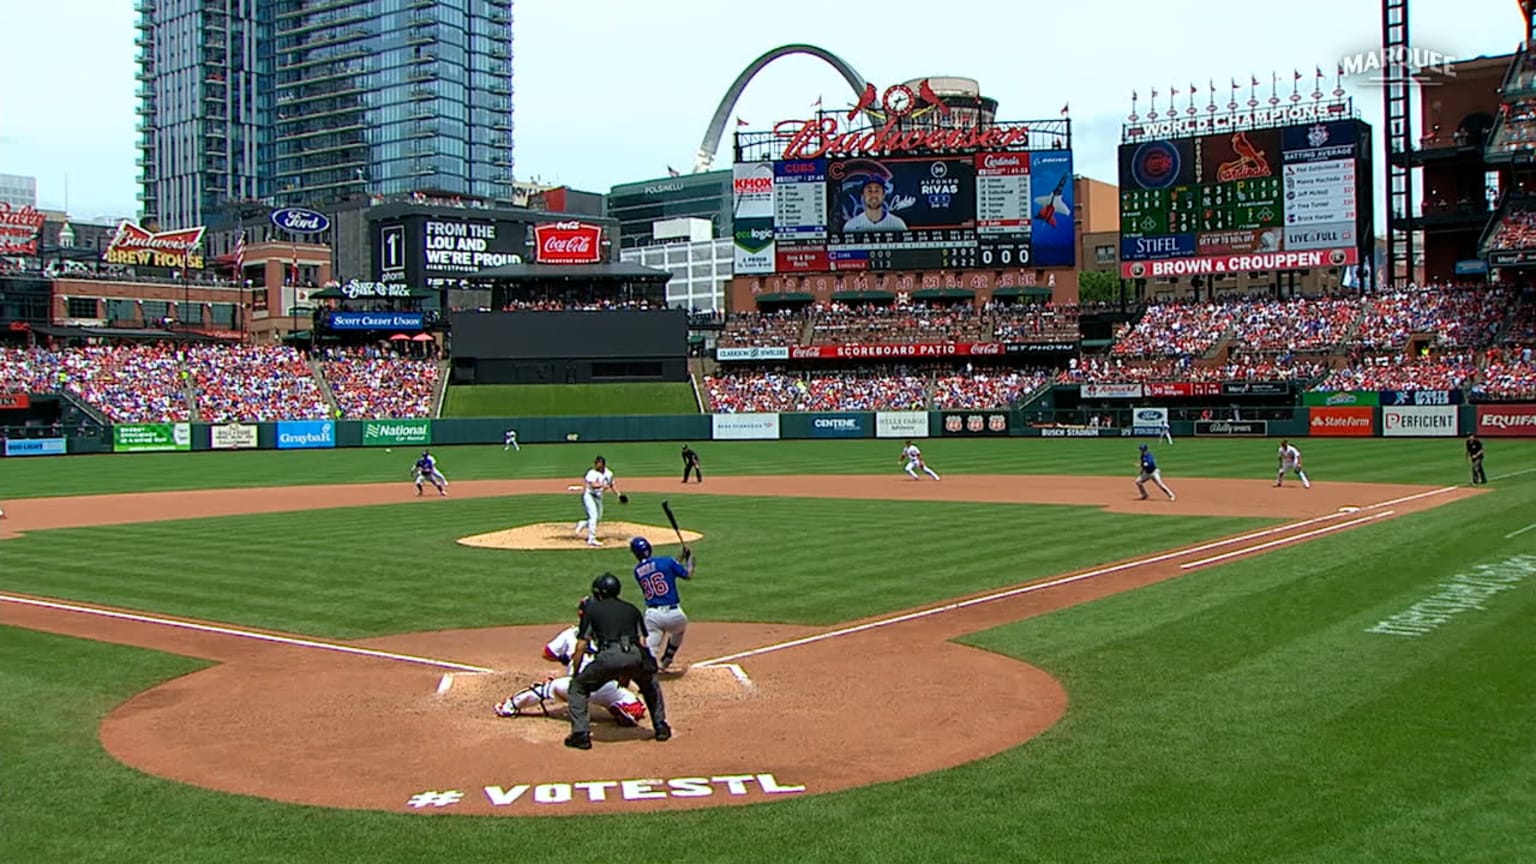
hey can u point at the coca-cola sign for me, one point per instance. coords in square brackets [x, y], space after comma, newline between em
[298, 220]
[568, 243]
[20, 228]
[135, 245]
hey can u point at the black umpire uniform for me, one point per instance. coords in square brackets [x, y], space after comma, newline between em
[1475, 456]
[691, 464]
[617, 630]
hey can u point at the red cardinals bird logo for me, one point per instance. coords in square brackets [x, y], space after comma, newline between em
[925, 93]
[868, 98]
[1054, 204]
[1250, 161]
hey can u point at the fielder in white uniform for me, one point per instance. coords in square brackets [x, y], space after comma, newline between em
[1166, 432]
[598, 480]
[1290, 460]
[509, 441]
[915, 461]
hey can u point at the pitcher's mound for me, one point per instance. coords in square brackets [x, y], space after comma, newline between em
[562, 535]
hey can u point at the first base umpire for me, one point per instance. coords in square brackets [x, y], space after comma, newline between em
[617, 629]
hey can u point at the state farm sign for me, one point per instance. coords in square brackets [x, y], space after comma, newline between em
[20, 228]
[1341, 422]
[1506, 421]
[568, 243]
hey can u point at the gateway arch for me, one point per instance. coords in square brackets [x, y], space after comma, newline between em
[716, 130]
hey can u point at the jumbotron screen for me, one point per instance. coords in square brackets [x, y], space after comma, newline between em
[980, 210]
[1283, 198]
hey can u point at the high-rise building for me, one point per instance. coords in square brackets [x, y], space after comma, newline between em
[18, 190]
[311, 102]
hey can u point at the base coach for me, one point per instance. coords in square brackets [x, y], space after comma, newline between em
[617, 630]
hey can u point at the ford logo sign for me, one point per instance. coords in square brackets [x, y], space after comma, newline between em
[300, 221]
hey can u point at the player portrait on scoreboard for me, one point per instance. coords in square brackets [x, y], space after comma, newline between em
[870, 189]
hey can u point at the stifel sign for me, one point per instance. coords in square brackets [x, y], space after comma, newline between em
[134, 245]
[568, 243]
[20, 229]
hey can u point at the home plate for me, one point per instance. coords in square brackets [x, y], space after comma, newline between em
[1349, 509]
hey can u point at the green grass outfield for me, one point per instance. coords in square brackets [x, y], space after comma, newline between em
[1239, 713]
[569, 400]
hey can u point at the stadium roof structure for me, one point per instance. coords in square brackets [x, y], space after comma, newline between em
[77, 332]
[615, 270]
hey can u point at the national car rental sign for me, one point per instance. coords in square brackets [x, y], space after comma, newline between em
[568, 243]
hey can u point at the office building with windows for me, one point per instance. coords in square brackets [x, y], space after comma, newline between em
[700, 263]
[18, 190]
[637, 206]
[314, 102]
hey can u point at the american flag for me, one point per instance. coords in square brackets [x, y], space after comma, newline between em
[295, 265]
[240, 257]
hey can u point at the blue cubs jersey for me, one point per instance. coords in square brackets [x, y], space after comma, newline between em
[1148, 464]
[658, 580]
[426, 464]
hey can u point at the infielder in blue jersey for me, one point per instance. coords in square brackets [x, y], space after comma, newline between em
[1149, 472]
[426, 470]
[664, 618]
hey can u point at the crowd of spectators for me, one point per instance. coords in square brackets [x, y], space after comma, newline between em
[745, 391]
[575, 304]
[997, 388]
[1239, 367]
[376, 383]
[252, 383]
[839, 324]
[1302, 324]
[127, 383]
[1032, 322]
[1175, 330]
[1518, 129]
[1457, 317]
[762, 329]
[1510, 375]
[1401, 372]
[1516, 230]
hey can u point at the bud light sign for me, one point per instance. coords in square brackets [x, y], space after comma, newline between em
[298, 220]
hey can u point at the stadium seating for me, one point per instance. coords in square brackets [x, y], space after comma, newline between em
[1175, 330]
[253, 383]
[762, 329]
[986, 388]
[1399, 372]
[368, 383]
[1027, 322]
[838, 324]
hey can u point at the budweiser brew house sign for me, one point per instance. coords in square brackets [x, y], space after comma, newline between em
[568, 243]
[825, 137]
[137, 246]
[20, 228]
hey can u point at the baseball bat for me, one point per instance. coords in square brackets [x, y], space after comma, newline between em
[666, 507]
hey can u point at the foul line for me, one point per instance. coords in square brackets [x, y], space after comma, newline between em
[1513, 534]
[1248, 550]
[1512, 474]
[1067, 580]
[244, 634]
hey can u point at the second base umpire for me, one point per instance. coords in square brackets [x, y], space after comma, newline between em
[617, 629]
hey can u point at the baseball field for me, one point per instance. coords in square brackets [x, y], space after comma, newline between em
[289, 657]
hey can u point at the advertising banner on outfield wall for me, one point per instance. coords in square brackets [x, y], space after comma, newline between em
[1419, 421]
[151, 437]
[840, 426]
[726, 355]
[1082, 432]
[1111, 391]
[1340, 422]
[1180, 389]
[36, 447]
[305, 434]
[1343, 397]
[391, 433]
[1258, 428]
[975, 422]
[744, 427]
[901, 424]
[1255, 388]
[15, 400]
[1506, 421]
[1148, 421]
[1421, 397]
[232, 436]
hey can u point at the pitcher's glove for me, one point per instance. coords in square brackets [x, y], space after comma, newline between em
[623, 499]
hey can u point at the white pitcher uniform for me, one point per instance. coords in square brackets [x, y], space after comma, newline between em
[914, 459]
[509, 441]
[594, 484]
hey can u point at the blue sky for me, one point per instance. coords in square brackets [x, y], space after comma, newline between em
[612, 91]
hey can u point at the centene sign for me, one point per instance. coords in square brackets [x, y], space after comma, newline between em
[1301, 259]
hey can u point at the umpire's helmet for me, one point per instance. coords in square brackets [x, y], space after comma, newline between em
[605, 586]
[641, 547]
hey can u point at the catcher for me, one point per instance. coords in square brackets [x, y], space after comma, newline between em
[597, 481]
[624, 705]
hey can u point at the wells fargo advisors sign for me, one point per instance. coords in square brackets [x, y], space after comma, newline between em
[824, 137]
[20, 229]
[136, 246]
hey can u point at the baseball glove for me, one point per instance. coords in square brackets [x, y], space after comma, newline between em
[623, 499]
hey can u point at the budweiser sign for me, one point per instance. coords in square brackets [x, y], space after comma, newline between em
[136, 245]
[568, 243]
[820, 139]
[20, 229]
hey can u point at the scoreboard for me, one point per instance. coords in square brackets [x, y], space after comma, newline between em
[1245, 200]
[962, 211]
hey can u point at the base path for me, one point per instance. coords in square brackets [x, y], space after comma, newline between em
[403, 723]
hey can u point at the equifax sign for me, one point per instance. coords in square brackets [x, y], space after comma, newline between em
[568, 243]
